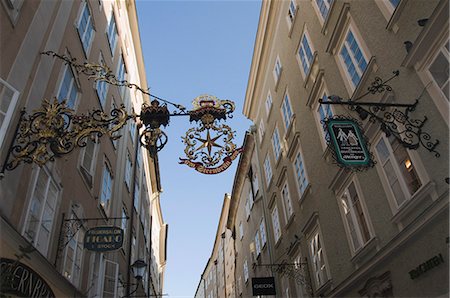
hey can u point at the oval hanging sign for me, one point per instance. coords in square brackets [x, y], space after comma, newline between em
[101, 239]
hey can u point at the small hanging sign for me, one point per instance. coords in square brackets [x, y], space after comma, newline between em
[348, 143]
[103, 239]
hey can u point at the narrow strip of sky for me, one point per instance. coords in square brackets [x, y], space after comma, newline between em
[192, 48]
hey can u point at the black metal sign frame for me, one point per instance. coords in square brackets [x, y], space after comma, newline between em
[263, 286]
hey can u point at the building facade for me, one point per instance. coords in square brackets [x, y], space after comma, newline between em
[46, 211]
[336, 231]
[217, 280]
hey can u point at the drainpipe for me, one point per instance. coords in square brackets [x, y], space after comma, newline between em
[224, 267]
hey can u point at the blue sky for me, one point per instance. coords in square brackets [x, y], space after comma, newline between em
[192, 48]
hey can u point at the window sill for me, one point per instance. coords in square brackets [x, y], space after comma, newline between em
[323, 288]
[308, 75]
[292, 23]
[278, 79]
[392, 24]
[408, 206]
[327, 19]
[86, 177]
[290, 221]
[358, 256]
[278, 241]
[304, 194]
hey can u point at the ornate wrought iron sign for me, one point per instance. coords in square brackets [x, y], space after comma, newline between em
[348, 143]
[54, 129]
[208, 111]
[102, 239]
[394, 118]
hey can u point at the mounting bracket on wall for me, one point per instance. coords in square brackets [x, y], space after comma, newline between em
[394, 118]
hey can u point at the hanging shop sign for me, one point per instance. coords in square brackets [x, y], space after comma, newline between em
[102, 239]
[19, 280]
[348, 143]
[263, 286]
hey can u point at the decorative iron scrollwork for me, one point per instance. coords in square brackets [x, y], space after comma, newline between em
[54, 130]
[394, 118]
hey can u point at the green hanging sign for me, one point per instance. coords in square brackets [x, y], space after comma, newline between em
[348, 143]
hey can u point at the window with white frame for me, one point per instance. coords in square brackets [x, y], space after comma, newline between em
[40, 216]
[323, 111]
[121, 75]
[136, 194]
[101, 86]
[276, 224]
[111, 276]
[319, 266]
[73, 256]
[323, 6]
[276, 143]
[241, 231]
[128, 168]
[8, 102]
[68, 89]
[262, 232]
[124, 223]
[267, 169]
[112, 33]
[247, 206]
[287, 111]
[399, 171]
[254, 180]
[292, 11]
[106, 190]
[277, 70]
[355, 217]
[353, 57]
[245, 271]
[439, 69]
[261, 130]
[133, 245]
[287, 202]
[88, 159]
[268, 103]
[85, 27]
[306, 53]
[257, 244]
[300, 174]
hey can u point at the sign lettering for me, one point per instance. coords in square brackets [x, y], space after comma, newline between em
[263, 286]
[102, 239]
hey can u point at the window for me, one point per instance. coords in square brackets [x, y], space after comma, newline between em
[300, 174]
[247, 205]
[257, 244]
[324, 8]
[106, 191]
[305, 53]
[398, 169]
[136, 194]
[394, 3]
[268, 103]
[277, 70]
[254, 181]
[133, 246]
[355, 218]
[68, 90]
[112, 33]
[267, 170]
[88, 160]
[245, 271]
[73, 256]
[261, 130]
[292, 11]
[287, 202]
[319, 267]
[439, 69]
[262, 231]
[121, 75]
[41, 211]
[276, 143]
[287, 111]
[85, 28]
[8, 102]
[353, 58]
[128, 168]
[124, 222]
[276, 224]
[110, 280]
[241, 231]
[102, 87]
